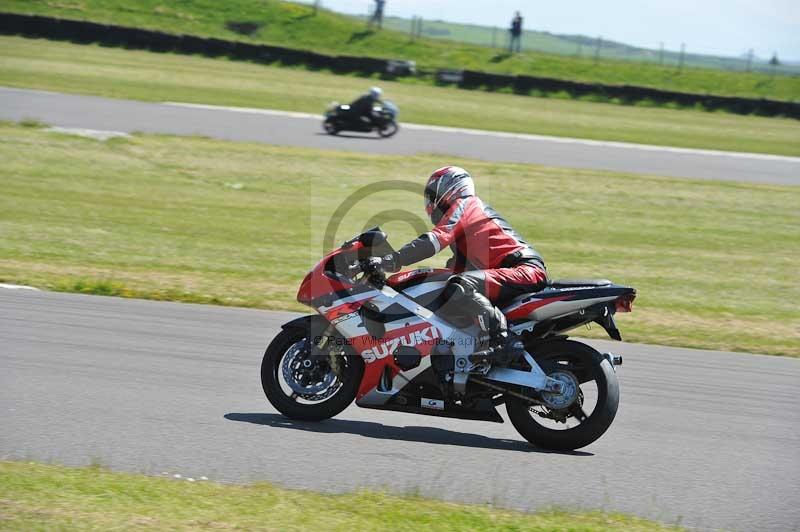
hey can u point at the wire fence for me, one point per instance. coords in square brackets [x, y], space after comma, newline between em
[595, 48]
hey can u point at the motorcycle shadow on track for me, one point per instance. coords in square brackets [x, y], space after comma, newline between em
[380, 431]
[363, 136]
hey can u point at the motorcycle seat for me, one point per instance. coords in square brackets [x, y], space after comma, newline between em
[576, 283]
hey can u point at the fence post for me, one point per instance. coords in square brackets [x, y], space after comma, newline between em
[680, 60]
[597, 49]
[661, 54]
[774, 62]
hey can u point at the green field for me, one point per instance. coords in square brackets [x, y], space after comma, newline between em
[48, 497]
[150, 76]
[294, 25]
[239, 224]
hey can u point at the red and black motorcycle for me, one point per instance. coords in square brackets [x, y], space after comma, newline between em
[382, 341]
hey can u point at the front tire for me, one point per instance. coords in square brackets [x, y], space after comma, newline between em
[330, 401]
[588, 366]
[388, 129]
[330, 126]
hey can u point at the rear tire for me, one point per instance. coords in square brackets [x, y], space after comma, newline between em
[595, 367]
[271, 367]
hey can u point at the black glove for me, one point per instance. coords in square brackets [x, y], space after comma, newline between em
[391, 262]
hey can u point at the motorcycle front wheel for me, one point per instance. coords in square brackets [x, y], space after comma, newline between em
[388, 129]
[330, 127]
[586, 418]
[302, 384]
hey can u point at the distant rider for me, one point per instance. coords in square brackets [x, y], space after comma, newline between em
[362, 107]
[491, 262]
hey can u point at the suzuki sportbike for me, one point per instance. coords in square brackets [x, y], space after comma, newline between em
[380, 341]
[341, 118]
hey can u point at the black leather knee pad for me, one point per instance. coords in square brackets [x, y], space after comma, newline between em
[455, 303]
[464, 296]
[456, 291]
[470, 282]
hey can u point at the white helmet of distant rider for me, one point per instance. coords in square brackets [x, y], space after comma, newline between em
[376, 92]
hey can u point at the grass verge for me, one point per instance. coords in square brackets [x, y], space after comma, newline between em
[296, 26]
[47, 497]
[196, 219]
[118, 73]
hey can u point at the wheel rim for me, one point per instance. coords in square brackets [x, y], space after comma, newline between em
[569, 394]
[570, 413]
[304, 377]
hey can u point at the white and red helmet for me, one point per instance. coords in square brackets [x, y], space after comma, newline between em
[444, 186]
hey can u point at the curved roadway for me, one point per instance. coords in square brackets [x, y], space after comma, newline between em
[707, 439]
[302, 129]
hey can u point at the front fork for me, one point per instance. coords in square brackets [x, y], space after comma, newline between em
[333, 358]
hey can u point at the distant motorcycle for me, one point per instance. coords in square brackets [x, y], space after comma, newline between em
[340, 118]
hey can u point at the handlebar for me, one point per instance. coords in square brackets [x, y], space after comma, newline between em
[369, 266]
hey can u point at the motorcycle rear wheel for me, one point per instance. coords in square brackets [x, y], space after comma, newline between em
[307, 407]
[588, 365]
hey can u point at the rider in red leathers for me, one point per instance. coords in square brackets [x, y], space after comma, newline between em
[491, 262]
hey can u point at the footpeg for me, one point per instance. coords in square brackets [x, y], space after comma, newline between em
[482, 357]
[501, 354]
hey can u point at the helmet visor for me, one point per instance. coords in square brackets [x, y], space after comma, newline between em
[430, 200]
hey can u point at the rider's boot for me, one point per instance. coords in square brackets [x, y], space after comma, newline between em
[495, 341]
[505, 347]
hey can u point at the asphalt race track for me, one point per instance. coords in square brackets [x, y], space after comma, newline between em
[707, 439]
[301, 129]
